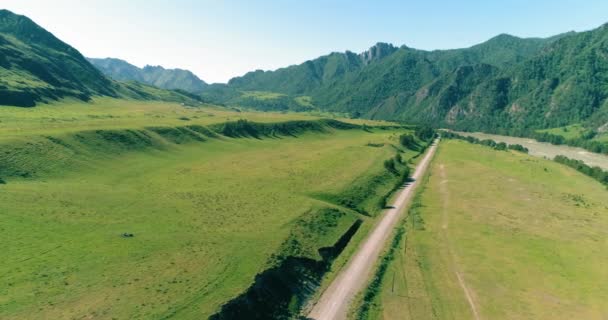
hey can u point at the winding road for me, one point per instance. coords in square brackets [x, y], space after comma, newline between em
[334, 302]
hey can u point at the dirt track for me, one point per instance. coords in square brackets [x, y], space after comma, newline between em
[335, 301]
[445, 195]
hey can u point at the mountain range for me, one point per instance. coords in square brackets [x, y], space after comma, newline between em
[153, 75]
[504, 84]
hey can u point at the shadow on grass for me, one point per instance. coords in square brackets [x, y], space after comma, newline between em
[280, 292]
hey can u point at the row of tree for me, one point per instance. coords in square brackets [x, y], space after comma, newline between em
[585, 141]
[501, 146]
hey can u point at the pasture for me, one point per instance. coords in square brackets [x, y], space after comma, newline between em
[122, 210]
[500, 235]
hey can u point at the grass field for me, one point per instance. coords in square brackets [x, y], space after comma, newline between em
[207, 213]
[504, 234]
[107, 113]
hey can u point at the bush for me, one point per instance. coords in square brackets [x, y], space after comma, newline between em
[501, 146]
[425, 133]
[518, 147]
[398, 158]
[390, 166]
[408, 141]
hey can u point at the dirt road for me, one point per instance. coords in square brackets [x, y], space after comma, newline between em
[335, 301]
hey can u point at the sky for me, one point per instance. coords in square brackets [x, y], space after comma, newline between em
[221, 39]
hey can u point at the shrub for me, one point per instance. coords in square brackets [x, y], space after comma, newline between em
[390, 166]
[501, 146]
[398, 158]
[408, 141]
[425, 133]
[518, 147]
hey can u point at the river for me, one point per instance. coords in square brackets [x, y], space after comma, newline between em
[547, 150]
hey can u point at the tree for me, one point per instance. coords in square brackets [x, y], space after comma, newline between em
[501, 146]
[425, 133]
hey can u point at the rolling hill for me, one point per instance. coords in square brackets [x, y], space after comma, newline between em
[153, 75]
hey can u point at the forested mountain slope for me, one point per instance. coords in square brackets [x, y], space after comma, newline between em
[504, 84]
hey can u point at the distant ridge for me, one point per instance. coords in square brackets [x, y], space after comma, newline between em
[153, 75]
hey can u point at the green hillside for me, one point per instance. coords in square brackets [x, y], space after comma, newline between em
[37, 67]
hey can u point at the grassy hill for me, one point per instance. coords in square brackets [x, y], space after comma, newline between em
[36, 67]
[153, 75]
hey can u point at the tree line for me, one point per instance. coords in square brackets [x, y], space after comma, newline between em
[584, 141]
[595, 172]
[500, 146]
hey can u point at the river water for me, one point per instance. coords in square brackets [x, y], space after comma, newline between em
[547, 150]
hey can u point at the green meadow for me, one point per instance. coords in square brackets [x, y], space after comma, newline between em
[144, 210]
[500, 235]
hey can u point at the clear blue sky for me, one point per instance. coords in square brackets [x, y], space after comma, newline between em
[219, 39]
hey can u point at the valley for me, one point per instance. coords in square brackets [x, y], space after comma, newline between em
[389, 183]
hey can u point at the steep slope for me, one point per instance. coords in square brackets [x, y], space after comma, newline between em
[36, 66]
[565, 83]
[153, 75]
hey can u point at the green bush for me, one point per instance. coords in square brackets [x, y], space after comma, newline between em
[518, 147]
[390, 166]
[425, 133]
[408, 141]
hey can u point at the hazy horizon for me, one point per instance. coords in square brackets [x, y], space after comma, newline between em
[218, 40]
